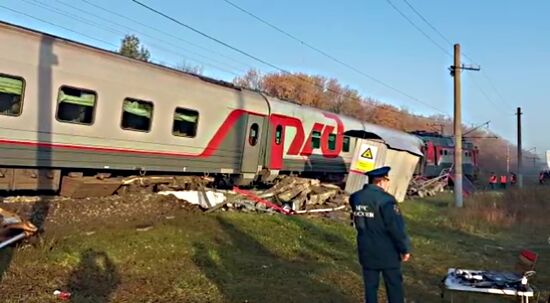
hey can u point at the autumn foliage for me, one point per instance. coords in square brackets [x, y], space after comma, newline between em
[330, 95]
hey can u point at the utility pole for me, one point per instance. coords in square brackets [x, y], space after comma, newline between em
[520, 158]
[458, 130]
[455, 72]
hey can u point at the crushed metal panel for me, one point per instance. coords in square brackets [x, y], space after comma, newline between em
[403, 165]
[397, 139]
[401, 151]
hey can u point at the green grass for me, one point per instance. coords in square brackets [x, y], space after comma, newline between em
[238, 257]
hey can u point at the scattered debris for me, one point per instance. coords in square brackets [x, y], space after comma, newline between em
[205, 199]
[322, 210]
[289, 195]
[19, 199]
[62, 295]
[13, 228]
[163, 183]
[144, 227]
[261, 201]
[305, 194]
[422, 187]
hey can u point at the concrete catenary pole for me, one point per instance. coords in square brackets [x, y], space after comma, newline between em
[457, 129]
[520, 156]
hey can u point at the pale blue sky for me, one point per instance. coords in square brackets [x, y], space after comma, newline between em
[508, 39]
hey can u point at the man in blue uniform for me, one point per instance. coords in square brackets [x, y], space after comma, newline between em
[381, 238]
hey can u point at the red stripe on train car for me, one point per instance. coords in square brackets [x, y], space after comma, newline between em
[212, 146]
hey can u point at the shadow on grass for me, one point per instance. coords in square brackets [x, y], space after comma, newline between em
[95, 278]
[243, 269]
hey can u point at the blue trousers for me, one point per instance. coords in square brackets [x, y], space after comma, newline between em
[393, 281]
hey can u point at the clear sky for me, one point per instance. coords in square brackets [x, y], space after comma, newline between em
[508, 39]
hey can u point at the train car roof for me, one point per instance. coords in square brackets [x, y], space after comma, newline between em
[395, 139]
[114, 53]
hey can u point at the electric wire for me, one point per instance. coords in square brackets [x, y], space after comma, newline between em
[255, 58]
[463, 54]
[118, 32]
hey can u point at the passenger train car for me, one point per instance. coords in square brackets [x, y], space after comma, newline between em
[69, 108]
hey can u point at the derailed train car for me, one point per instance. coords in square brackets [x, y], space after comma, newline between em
[66, 107]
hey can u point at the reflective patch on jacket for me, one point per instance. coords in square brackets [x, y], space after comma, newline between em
[363, 211]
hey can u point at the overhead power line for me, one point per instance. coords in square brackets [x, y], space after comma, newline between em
[326, 54]
[84, 20]
[208, 36]
[443, 49]
[56, 25]
[122, 16]
[255, 58]
[428, 22]
[176, 48]
[421, 16]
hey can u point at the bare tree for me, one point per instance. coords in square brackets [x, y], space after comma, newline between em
[184, 66]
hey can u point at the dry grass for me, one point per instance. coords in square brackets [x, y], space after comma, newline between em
[527, 209]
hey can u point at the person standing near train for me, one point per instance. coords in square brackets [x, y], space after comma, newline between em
[493, 181]
[382, 242]
[503, 181]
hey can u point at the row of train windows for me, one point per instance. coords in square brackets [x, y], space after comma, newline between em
[316, 140]
[76, 105]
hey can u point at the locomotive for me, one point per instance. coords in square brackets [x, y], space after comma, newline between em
[438, 153]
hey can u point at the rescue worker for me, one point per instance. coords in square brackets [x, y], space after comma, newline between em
[382, 242]
[493, 181]
[503, 181]
[513, 179]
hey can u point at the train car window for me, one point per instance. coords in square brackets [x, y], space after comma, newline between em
[137, 115]
[11, 95]
[446, 153]
[253, 134]
[346, 144]
[316, 139]
[332, 142]
[76, 105]
[185, 122]
[278, 134]
[441, 152]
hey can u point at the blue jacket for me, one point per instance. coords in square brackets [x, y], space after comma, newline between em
[381, 237]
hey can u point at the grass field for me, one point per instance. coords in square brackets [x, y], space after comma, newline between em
[145, 250]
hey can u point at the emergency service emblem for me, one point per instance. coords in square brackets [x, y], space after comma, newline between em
[396, 209]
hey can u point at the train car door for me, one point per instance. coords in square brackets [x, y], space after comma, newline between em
[252, 145]
[277, 146]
